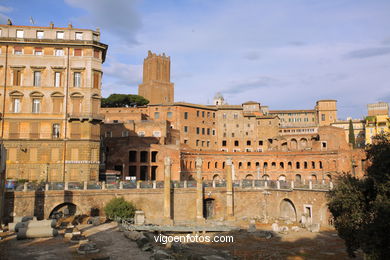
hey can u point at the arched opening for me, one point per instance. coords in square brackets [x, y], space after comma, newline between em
[294, 144]
[281, 164]
[190, 178]
[329, 177]
[273, 165]
[216, 165]
[305, 165]
[282, 178]
[298, 177]
[320, 164]
[216, 177]
[248, 165]
[313, 178]
[208, 208]
[303, 143]
[289, 165]
[257, 165]
[249, 177]
[266, 177]
[297, 165]
[223, 165]
[284, 147]
[208, 165]
[287, 210]
[63, 210]
[265, 165]
[239, 165]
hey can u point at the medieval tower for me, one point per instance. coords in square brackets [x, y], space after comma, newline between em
[156, 85]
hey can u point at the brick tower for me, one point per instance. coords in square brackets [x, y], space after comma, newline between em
[156, 85]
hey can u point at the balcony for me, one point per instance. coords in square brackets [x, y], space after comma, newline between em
[85, 117]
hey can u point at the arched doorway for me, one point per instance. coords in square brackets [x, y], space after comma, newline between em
[208, 208]
[287, 210]
[249, 177]
[63, 210]
[216, 177]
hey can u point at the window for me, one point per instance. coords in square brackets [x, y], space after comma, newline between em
[223, 142]
[96, 79]
[202, 113]
[19, 33]
[185, 129]
[37, 78]
[36, 105]
[60, 35]
[224, 115]
[185, 115]
[235, 116]
[16, 105]
[213, 131]
[208, 131]
[232, 134]
[197, 113]
[96, 53]
[141, 133]
[236, 143]
[77, 79]
[197, 130]
[208, 114]
[156, 133]
[323, 117]
[57, 79]
[77, 52]
[17, 77]
[248, 142]
[156, 115]
[213, 115]
[203, 131]
[39, 34]
[59, 52]
[78, 35]
[169, 115]
[56, 130]
[18, 50]
[38, 51]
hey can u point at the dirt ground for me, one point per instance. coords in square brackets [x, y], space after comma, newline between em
[294, 245]
[108, 239]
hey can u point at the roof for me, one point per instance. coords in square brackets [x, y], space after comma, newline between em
[292, 111]
[250, 102]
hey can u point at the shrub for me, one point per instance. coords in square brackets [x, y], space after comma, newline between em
[119, 209]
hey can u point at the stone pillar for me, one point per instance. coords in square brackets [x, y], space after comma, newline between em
[265, 184]
[310, 185]
[138, 184]
[167, 191]
[85, 185]
[229, 190]
[103, 185]
[46, 186]
[292, 185]
[199, 190]
[25, 186]
[278, 184]
[185, 184]
[331, 185]
[121, 185]
[154, 184]
[66, 185]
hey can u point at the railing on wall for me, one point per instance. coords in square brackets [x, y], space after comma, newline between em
[123, 185]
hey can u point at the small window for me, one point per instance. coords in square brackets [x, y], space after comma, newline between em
[40, 34]
[248, 142]
[185, 129]
[18, 50]
[77, 52]
[36, 105]
[224, 115]
[37, 78]
[38, 51]
[16, 105]
[197, 113]
[59, 52]
[197, 130]
[236, 143]
[56, 130]
[19, 33]
[156, 115]
[223, 142]
[169, 115]
[203, 131]
[78, 35]
[235, 115]
[202, 113]
[77, 79]
[96, 53]
[185, 115]
[57, 79]
[60, 35]
[323, 117]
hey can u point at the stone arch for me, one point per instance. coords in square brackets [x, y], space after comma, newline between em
[282, 177]
[216, 165]
[64, 208]
[16, 93]
[266, 177]
[76, 95]
[249, 177]
[36, 94]
[303, 143]
[294, 144]
[216, 177]
[328, 177]
[287, 210]
[284, 147]
[57, 94]
[298, 178]
[313, 178]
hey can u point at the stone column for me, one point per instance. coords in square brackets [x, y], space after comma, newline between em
[199, 190]
[229, 190]
[167, 191]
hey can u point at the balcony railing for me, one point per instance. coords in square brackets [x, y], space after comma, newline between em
[85, 116]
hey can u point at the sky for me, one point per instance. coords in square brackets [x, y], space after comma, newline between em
[286, 54]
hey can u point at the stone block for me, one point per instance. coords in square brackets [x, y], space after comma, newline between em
[139, 217]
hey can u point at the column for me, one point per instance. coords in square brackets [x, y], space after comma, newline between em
[229, 190]
[199, 190]
[167, 191]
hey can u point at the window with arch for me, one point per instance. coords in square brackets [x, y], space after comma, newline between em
[265, 165]
[216, 165]
[320, 164]
[298, 177]
[239, 165]
[248, 165]
[305, 165]
[313, 165]
[297, 165]
[281, 165]
[289, 165]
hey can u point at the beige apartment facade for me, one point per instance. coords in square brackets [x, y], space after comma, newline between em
[50, 87]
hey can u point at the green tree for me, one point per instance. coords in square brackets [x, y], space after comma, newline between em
[119, 208]
[351, 135]
[361, 207]
[123, 100]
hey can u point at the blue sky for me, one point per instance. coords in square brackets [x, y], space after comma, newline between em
[285, 54]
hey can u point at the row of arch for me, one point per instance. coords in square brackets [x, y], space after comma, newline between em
[16, 93]
[281, 165]
[281, 177]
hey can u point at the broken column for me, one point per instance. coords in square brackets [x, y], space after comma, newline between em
[229, 190]
[199, 190]
[167, 190]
